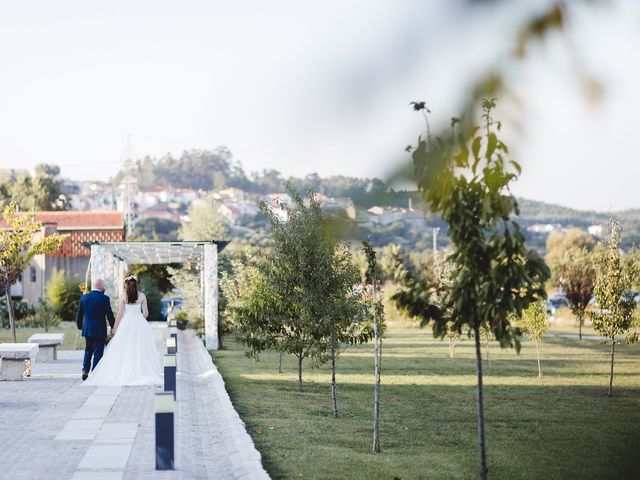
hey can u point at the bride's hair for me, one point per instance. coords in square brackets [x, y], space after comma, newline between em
[131, 288]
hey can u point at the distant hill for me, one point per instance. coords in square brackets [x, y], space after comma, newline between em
[535, 212]
[215, 169]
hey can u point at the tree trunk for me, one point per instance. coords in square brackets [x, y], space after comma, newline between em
[377, 353]
[452, 346]
[580, 328]
[280, 362]
[12, 320]
[484, 470]
[613, 350]
[334, 393]
[300, 373]
[538, 355]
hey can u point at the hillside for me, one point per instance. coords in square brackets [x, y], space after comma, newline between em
[208, 170]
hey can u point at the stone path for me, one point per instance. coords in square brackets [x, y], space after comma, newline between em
[52, 427]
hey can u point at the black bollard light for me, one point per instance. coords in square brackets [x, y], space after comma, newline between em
[171, 346]
[165, 407]
[170, 374]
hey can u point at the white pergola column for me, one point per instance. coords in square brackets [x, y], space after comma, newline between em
[106, 266]
[210, 274]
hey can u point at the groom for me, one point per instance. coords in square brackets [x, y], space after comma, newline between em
[94, 307]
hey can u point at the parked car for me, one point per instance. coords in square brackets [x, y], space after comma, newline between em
[555, 302]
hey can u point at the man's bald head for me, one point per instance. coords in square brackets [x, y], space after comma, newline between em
[98, 284]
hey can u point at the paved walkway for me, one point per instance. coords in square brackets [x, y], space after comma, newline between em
[52, 427]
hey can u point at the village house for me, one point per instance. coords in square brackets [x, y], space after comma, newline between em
[72, 257]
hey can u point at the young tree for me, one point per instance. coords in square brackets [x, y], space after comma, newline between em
[373, 290]
[297, 297]
[343, 310]
[575, 274]
[612, 284]
[535, 321]
[443, 271]
[495, 276]
[19, 243]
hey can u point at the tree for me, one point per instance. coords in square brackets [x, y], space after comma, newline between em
[575, 274]
[187, 279]
[342, 308]
[19, 243]
[443, 271]
[64, 295]
[535, 321]
[373, 290]
[631, 261]
[203, 224]
[495, 276]
[39, 192]
[297, 295]
[559, 243]
[612, 284]
[154, 296]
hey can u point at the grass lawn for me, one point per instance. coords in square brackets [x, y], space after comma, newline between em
[562, 426]
[68, 328]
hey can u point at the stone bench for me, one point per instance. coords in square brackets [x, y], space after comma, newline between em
[12, 359]
[48, 343]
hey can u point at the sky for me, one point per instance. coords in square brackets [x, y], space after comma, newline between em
[318, 86]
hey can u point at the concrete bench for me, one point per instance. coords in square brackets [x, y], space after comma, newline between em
[48, 343]
[12, 359]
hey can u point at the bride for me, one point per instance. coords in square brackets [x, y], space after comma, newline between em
[131, 357]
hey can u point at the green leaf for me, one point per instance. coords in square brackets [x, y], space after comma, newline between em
[492, 141]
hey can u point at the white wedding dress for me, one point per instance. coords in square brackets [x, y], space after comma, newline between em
[131, 357]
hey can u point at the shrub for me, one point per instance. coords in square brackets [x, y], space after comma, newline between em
[20, 308]
[64, 295]
[44, 316]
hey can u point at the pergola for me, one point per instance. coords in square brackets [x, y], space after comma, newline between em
[110, 260]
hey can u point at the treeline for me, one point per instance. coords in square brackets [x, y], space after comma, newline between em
[216, 169]
[532, 212]
[40, 191]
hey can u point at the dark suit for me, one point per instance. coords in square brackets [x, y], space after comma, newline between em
[94, 308]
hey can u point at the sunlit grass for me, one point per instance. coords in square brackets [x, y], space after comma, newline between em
[68, 328]
[560, 426]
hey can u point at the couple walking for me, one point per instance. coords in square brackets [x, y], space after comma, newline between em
[131, 357]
